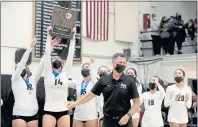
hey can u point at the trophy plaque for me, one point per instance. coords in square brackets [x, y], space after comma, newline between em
[63, 21]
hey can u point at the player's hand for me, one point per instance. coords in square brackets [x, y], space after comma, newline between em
[33, 42]
[92, 61]
[186, 97]
[177, 97]
[180, 27]
[71, 105]
[157, 81]
[56, 41]
[73, 33]
[124, 120]
[49, 31]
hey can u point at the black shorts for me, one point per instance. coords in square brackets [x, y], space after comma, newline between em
[114, 122]
[25, 118]
[57, 115]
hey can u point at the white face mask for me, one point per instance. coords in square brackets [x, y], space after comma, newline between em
[154, 18]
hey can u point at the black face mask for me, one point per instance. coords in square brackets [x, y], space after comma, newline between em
[57, 64]
[102, 74]
[178, 79]
[23, 73]
[179, 17]
[85, 72]
[120, 68]
[152, 86]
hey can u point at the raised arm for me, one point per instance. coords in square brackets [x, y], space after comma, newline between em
[92, 71]
[39, 71]
[162, 92]
[168, 101]
[67, 67]
[23, 61]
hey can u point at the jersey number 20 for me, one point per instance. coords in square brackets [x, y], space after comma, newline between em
[57, 81]
[181, 98]
[151, 102]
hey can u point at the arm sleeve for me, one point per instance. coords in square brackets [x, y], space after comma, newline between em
[162, 92]
[21, 65]
[167, 100]
[133, 90]
[39, 70]
[47, 56]
[70, 57]
[98, 87]
[189, 102]
[72, 84]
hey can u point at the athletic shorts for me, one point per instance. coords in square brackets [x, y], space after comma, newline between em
[25, 118]
[56, 115]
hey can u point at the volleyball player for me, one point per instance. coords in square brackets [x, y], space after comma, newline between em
[132, 72]
[56, 85]
[152, 101]
[179, 98]
[102, 71]
[85, 115]
[24, 90]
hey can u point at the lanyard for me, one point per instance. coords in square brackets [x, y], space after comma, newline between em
[83, 87]
[27, 82]
[56, 73]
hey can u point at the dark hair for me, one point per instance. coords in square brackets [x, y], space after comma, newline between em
[115, 56]
[101, 67]
[133, 70]
[181, 71]
[153, 15]
[85, 64]
[162, 22]
[161, 82]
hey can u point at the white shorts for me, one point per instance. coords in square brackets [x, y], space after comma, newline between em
[136, 115]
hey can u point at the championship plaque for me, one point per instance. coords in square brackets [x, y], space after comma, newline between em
[63, 21]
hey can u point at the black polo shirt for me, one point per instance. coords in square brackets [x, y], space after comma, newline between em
[117, 94]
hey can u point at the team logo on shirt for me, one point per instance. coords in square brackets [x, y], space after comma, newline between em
[123, 86]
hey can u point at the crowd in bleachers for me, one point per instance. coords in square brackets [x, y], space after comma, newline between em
[170, 31]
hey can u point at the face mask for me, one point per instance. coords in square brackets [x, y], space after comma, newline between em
[85, 72]
[57, 64]
[178, 79]
[23, 73]
[179, 17]
[102, 74]
[152, 86]
[120, 68]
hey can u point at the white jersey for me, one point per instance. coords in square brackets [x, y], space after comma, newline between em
[88, 110]
[152, 115]
[100, 104]
[139, 88]
[178, 109]
[25, 98]
[56, 88]
[1, 102]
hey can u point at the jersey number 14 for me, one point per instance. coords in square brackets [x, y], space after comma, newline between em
[151, 102]
[57, 81]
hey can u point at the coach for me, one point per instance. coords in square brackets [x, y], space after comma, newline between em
[118, 89]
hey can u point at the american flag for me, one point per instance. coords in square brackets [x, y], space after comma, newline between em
[97, 20]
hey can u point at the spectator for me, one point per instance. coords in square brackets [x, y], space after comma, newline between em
[155, 36]
[178, 29]
[190, 29]
[165, 28]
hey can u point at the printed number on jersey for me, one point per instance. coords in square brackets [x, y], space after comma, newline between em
[58, 82]
[181, 98]
[151, 102]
